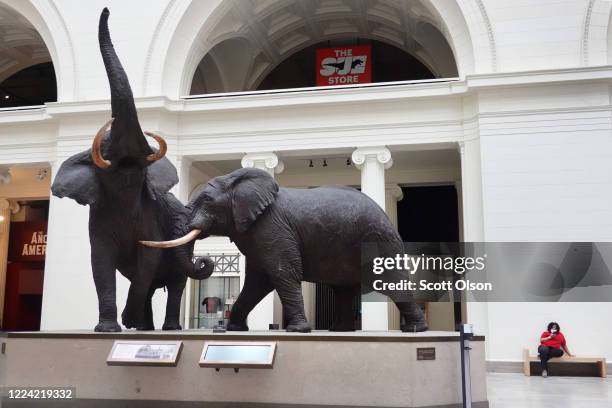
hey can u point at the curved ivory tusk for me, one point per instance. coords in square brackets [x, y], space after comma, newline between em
[163, 147]
[96, 147]
[175, 242]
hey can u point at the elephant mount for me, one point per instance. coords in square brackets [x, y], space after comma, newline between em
[125, 183]
[293, 235]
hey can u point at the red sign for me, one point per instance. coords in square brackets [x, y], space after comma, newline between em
[28, 241]
[344, 65]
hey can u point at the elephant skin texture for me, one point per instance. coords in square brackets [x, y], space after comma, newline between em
[293, 235]
[126, 183]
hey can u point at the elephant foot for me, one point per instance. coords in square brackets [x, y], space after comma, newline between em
[237, 327]
[301, 327]
[414, 327]
[107, 326]
[127, 322]
[172, 326]
[145, 327]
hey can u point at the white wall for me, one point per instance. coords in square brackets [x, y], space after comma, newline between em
[547, 176]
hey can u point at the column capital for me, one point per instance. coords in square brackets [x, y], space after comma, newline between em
[6, 204]
[379, 153]
[268, 161]
[395, 191]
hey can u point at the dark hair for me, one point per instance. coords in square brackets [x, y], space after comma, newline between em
[551, 324]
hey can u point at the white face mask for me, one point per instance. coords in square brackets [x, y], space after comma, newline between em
[553, 331]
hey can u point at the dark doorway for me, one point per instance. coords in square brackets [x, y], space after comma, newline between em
[430, 214]
[31, 86]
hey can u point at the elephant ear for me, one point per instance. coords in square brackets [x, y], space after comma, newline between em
[253, 191]
[77, 179]
[161, 177]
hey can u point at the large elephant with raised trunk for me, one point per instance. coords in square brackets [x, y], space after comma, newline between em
[125, 182]
[294, 235]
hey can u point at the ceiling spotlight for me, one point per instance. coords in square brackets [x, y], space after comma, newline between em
[6, 96]
[311, 165]
[324, 162]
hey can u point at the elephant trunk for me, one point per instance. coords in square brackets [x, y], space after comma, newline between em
[201, 268]
[127, 137]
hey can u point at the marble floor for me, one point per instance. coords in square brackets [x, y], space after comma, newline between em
[518, 391]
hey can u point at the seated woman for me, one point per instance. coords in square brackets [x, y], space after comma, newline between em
[552, 344]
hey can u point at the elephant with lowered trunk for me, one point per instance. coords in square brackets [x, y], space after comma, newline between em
[126, 185]
[294, 235]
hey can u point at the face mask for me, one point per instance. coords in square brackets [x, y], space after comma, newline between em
[553, 331]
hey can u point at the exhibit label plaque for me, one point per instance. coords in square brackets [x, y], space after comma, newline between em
[238, 354]
[145, 353]
[426, 353]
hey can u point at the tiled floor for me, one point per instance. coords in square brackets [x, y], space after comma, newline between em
[518, 391]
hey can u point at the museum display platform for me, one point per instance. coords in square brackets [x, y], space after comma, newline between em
[382, 369]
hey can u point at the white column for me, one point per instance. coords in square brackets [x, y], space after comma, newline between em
[263, 314]
[182, 190]
[393, 194]
[373, 161]
[473, 222]
[5, 224]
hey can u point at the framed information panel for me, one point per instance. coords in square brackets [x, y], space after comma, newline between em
[145, 353]
[238, 354]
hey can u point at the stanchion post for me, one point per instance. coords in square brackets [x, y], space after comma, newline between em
[466, 332]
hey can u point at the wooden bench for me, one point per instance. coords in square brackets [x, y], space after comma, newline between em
[527, 360]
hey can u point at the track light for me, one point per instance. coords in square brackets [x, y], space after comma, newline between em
[311, 165]
[348, 161]
[324, 162]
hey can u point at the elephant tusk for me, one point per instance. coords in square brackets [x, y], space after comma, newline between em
[175, 242]
[163, 147]
[96, 147]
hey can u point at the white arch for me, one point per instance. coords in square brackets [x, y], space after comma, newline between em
[57, 40]
[183, 38]
[596, 42]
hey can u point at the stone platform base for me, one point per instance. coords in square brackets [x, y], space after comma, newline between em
[360, 369]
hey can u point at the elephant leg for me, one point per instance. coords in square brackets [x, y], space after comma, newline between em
[411, 315]
[143, 291]
[256, 287]
[290, 293]
[148, 313]
[127, 316]
[173, 305]
[344, 308]
[104, 273]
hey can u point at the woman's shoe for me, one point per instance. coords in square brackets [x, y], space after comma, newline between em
[544, 373]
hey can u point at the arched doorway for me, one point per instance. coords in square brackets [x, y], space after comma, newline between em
[27, 75]
[274, 45]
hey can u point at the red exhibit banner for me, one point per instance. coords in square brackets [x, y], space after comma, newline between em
[28, 241]
[344, 65]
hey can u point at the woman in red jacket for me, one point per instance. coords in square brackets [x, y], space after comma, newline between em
[552, 344]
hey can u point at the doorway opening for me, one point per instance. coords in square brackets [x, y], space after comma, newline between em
[431, 214]
[25, 266]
